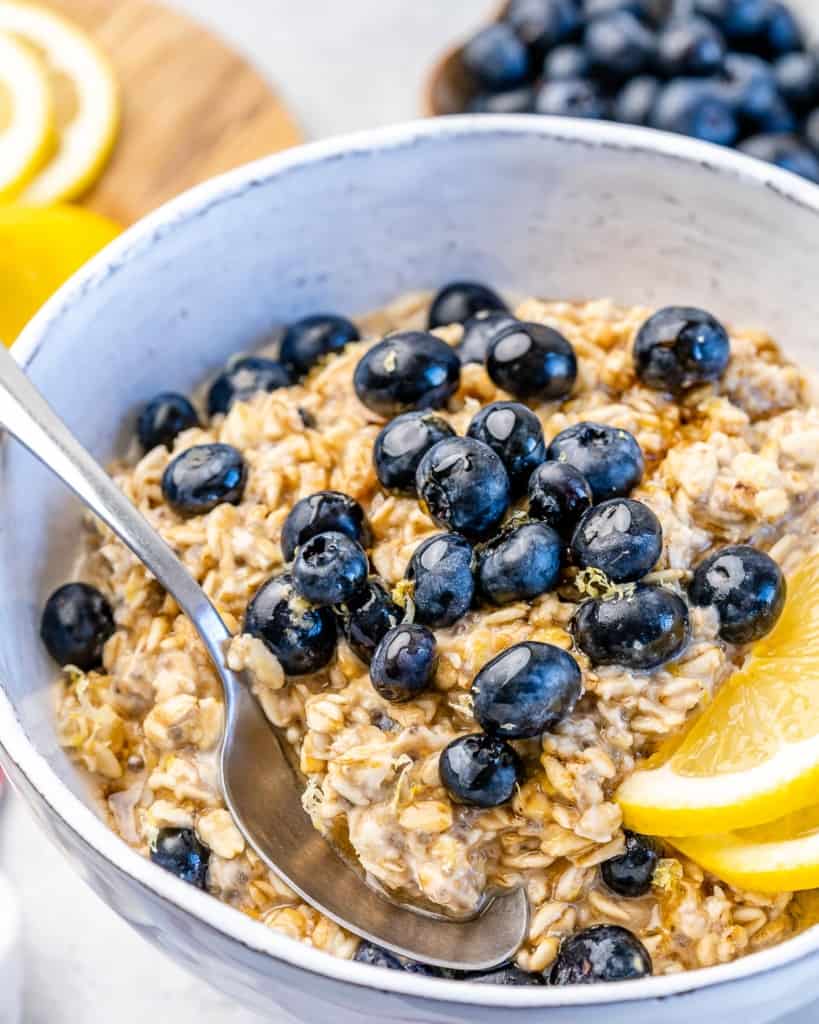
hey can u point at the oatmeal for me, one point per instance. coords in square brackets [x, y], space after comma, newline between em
[723, 463]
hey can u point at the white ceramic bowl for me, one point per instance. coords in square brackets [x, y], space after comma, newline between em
[532, 205]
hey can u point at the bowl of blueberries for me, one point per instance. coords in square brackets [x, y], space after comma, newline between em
[738, 73]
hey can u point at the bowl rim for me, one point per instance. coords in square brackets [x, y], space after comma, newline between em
[91, 831]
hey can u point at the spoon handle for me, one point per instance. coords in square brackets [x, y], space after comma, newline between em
[27, 416]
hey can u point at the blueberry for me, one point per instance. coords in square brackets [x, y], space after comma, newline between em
[629, 874]
[690, 46]
[696, 107]
[411, 370]
[543, 24]
[532, 361]
[559, 494]
[478, 333]
[609, 458]
[526, 690]
[302, 636]
[649, 11]
[480, 770]
[307, 341]
[570, 97]
[715, 10]
[508, 975]
[785, 151]
[797, 78]
[635, 101]
[329, 568]
[620, 537]
[367, 616]
[322, 512]
[604, 952]
[746, 587]
[375, 956]
[77, 620]
[783, 33]
[619, 45]
[459, 301]
[464, 486]
[403, 664]
[778, 119]
[679, 347]
[163, 419]
[510, 101]
[567, 61]
[401, 445]
[443, 585]
[749, 84]
[179, 851]
[514, 433]
[243, 379]
[640, 630]
[202, 477]
[745, 22]
[522, 562]
[496, 57]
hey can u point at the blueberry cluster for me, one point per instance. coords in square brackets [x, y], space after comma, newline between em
[733, 72]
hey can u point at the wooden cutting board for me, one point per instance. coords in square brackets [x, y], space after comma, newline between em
[192, 107]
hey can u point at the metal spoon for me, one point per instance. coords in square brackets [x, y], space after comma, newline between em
[260, 788]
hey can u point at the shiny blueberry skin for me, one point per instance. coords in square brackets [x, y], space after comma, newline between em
[514, 433]
[629, 874]
[570, 97]
[559, 494]
[638, 631]
[635, 101]
[619, 45]
[532, 360]
[604, 952]
[76, 622]
[544, 24]
[202, 477]
[243, 379]
[163, 419]
[620, 537]
[404, 662]
[508, 975]
[567, 61]
[746, 587]
[401, 445]
[329, 568]
[302, 636]
[649, 11]
[459, 301]
[308, 340]
[679, 347]
[697, 107]
[375, 956]
[520, 563]
[526, 690]
[783, 33]
[322, 512]
[797, 78]
[510, 101]
[496, 58]
[411, 370]
[609, 458]
[480, 770]
[690, 46]
[749, 84]
[464, 486]
[366, 617]
[478, 333]
[443, 584]
[785, 151]
[179, 851]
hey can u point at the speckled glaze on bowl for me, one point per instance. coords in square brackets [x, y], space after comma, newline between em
[533, 205]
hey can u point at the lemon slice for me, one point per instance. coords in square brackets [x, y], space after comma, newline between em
[782, 856]
[87, 100]
[39, 249]
[753, 754]
[26, 116]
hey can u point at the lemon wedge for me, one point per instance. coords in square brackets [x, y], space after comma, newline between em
[39, 249]
[87, 100]
[26, 116]
[753, 755]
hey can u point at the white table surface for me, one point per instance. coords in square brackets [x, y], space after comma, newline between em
[340, 67]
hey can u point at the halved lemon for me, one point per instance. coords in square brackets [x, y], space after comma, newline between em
[26, 116]
[39, 249]
[87, 100]
[753, 755]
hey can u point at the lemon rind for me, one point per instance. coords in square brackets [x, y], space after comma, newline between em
[27, 82]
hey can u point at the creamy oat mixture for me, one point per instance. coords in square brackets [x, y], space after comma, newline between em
[736, 461]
